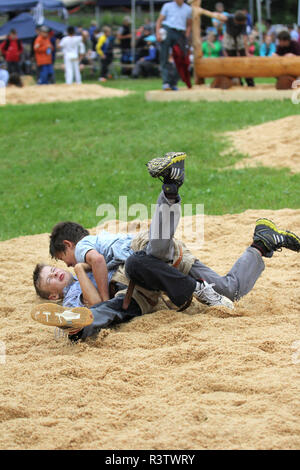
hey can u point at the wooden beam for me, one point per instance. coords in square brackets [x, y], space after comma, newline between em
[249, 67]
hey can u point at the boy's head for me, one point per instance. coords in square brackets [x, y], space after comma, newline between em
[71, 30]
[50, 281]
[284, 38]
[106, 30]
[240, 17]
[63, 240]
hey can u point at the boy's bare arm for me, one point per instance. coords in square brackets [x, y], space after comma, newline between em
[90, 294]
[99, 268]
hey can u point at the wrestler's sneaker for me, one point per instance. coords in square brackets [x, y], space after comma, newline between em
[273, 238]
[205, 294]
[170, 170]
[55, 315]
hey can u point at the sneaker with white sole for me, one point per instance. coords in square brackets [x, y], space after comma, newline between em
[205, 294]
[55, 315]
[273, 238]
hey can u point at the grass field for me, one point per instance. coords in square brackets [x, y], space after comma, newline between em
[61, 161]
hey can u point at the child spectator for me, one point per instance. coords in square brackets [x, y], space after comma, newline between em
[104, 48]
[268, 47]
[286, 46]
[211, 47]
[4, 75]
[12, 49]
[43, 56]
[124, 36]
[253, 45]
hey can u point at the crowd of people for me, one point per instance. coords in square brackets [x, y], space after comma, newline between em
[161, 49]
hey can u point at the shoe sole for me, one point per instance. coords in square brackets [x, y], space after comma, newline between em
[56, 315]
[229, 303]
[158, 165]
[272, 226]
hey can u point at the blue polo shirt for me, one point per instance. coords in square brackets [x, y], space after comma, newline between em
[176, 16]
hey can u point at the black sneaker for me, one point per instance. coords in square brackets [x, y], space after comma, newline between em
[273, 238]
[170, 170]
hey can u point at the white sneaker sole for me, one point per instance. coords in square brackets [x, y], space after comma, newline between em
[56, 315]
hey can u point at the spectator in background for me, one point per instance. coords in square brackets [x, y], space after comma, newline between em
[105, 50]
[12, 49]
[235, 38]
[4, 75]
[211, 47]
[92, 29]
[286, 46]
[249, 24]
[173, 29]
[43, 56]
[73, 50]
[253, 46]
[218, 24]
[293, 33]
[124, 36]
[268, 47]
[270, 28]
[147, 65]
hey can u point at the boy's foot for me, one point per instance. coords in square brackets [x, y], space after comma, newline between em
[274, 239]
[205, 294]
[166, 87]
[56, 315]
[170, 170]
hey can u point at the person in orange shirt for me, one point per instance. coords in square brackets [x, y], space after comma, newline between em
[43, 56]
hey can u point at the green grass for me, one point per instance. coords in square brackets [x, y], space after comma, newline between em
[61, 161]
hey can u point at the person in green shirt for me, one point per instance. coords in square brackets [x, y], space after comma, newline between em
[211, 47]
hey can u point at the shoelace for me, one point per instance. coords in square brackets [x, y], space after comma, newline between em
[208, 293]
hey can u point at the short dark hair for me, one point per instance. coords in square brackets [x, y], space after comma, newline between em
[240, 16]
[70, 231]
[13, 31]
[36, 281]
[71, 30]
[284, 36]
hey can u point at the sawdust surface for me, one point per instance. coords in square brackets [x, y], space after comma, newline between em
[273, 144]
[60, 92]
[199, 379]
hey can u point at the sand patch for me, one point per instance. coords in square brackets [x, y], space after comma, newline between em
[273, 144]
[51, 93]
[205, 93]
[168, 380]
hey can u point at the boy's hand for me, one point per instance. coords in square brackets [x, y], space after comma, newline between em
[82, 266]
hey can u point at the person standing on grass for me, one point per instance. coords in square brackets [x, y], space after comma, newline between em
[73, 50]
[173, 28]
[104, 49]
[12, 49]
[43, 56]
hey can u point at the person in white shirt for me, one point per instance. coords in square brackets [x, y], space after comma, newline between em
[73, 49]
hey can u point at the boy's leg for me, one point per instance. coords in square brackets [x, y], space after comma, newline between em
[168, 207]
[240, 279]
[107, 314]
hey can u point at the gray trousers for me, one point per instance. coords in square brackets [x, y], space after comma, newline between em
[234, 285]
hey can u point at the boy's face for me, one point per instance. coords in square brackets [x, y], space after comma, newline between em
[67, 256]
[53, 280]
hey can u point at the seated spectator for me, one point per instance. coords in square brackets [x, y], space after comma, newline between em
[12, 49]
[105, 50]
[211, 47]
[253, 47]
[268, 47]
[147, 66]
[286, 46]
